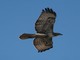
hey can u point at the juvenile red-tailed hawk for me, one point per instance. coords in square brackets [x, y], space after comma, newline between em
[44, 27]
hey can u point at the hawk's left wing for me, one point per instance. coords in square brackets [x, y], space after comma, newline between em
[46, 21]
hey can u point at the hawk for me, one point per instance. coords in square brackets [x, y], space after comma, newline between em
[44, 28]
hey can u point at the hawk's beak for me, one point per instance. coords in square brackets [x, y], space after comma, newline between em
[60, 34]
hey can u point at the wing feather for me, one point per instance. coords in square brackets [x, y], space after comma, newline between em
[43, 44]
[45, 22]
[44, 25]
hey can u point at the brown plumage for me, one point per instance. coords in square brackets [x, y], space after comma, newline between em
[44, 27]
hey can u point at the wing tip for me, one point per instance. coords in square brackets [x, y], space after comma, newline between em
[44, 50]
[49, 10]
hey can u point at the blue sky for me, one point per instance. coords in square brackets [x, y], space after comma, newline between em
[19, 16]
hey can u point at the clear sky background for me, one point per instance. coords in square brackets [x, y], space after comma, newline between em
[19, 16]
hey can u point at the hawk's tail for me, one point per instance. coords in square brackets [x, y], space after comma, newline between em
[26, 36]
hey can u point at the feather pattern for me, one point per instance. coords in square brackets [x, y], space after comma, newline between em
[45, 24]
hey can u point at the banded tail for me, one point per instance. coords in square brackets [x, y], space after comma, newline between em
[26, 36]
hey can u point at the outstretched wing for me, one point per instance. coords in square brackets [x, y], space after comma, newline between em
[43, 44]
[44, 25]
[45, 22]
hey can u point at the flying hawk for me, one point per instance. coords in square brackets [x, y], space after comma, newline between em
[44, 28]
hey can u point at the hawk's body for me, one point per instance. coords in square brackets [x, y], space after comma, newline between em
[44, 27]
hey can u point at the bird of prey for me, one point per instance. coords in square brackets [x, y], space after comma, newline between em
[44, 30]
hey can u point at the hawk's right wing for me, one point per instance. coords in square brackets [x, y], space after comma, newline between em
[43, 44]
